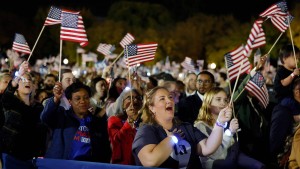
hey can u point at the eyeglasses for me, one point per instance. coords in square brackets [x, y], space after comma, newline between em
[205, 82]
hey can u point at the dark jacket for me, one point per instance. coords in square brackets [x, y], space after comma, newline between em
[64, 126]
[22, 135]
[188, 108]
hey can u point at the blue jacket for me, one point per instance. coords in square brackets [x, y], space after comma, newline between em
[64, 126]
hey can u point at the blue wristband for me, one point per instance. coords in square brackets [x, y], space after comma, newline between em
[223, 125]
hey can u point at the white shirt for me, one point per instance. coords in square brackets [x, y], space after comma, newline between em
[200, 95]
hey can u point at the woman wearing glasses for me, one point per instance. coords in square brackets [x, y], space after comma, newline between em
[227, 154]
[22, 130]
[123, 125]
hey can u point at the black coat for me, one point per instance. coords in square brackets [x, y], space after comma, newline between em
[188, 108]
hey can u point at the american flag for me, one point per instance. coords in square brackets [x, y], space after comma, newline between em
[256, 38]
[138, 53]
[20, 44]
[277, 9]
[72, 28]
[105, 49]
[127, 40]
[188, 64]
[54, 16]
[256, 86]
[233, 62]
[282, 22]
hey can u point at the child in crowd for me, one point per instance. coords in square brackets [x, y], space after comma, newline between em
[287, 72]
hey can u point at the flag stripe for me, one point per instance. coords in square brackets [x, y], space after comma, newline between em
[20, 44]
[139, 53]
[54, 16]
[72, 28]
[127, 40]
[234, 59]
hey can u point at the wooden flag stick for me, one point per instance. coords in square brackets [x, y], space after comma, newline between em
[291, 35]
[36, 43]
[237, 79]
[59, 68]
[275, 43]
[117, 57]
[230, 90]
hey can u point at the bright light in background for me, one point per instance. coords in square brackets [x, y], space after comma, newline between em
[138, 65]
[65, 61]
[148, 74]
[6, 60]
[75, 73]
[212, 65]
[127, 88]
[17, 73]
[180, 76]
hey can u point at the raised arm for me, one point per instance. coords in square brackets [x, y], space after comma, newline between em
[208, 146]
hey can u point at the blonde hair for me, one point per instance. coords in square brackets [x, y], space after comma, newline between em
[204, 113]
[147, 115]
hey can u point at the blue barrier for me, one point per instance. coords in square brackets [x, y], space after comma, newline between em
[46, 163]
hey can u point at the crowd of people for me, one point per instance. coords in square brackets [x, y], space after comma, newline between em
[163, 122]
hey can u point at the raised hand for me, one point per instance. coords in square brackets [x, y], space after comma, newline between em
[23, 68]
[57, 91]
[234, 125]
[225, 115]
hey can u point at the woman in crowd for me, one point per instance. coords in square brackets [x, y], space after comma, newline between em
[77, 133]
[165, 142]
[122, 127]
[22, 137]
[116, 88]
[99, 88]
[227, 154]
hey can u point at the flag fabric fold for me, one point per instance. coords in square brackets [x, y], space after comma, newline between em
[277, 9]
[256, 86]
[127, 40]
[105, 49]
[54, 16]
[72, 28]
[138, 53]
[20, 44]
[188, 64]
[282, 22]
[256, 38]
[234, 60]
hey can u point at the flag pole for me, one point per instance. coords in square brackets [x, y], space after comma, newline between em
[237, 79]
[59, 68]
[230, 90]
[275, 43]
[291, 35]
[36, 42]
[117, 57]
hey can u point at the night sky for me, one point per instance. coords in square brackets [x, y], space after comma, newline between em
[242, 9]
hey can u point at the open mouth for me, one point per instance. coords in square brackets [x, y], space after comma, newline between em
[27, 86]
[169, 108]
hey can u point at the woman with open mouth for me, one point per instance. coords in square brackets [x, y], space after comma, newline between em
[165, 142]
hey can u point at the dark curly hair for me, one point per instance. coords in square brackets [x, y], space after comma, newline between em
[75, 87]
